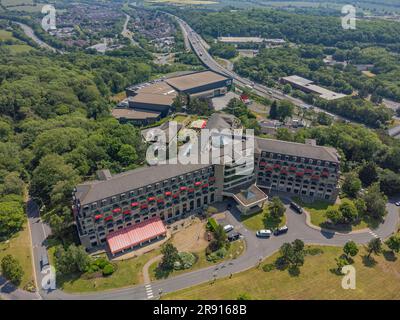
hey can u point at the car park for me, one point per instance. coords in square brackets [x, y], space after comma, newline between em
[263, 233]
[281, 230]
[296, 207]
[228, 228]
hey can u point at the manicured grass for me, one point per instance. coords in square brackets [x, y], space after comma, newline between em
[128, 273]
[317, 211]
[19, 246]
[235, 250]
[5, 35]
[258, 221]
[316, 281]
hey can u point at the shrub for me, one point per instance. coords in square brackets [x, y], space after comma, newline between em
[187, 259]
[314, 251]
[12, 269]
[212, 224]
[101, 262]
[108, 270]
[217, 255]
[268, 267]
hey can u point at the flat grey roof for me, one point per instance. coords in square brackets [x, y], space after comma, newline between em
[297, 149]
[308, 84]
[194, 80]
[155, 99]
[96, 190]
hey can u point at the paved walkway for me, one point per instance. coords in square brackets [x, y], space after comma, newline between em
[146, 275]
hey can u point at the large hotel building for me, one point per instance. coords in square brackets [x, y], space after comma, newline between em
[125, 211]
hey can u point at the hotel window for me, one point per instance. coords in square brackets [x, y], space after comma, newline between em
[113, 199]
[132, 193]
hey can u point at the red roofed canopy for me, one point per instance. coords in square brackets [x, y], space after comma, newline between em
[129, 237]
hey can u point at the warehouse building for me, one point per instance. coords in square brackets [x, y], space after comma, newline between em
[149, 102]
[308, 86]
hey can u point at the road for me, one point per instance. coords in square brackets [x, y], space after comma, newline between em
[256, 249]
[200, 49]
[31, 34]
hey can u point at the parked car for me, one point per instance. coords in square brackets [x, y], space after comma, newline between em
[296, 207]
[281, 230]
[233, 236]
[228, 228]
[229, 206]
[397, 203]
[263, 233]
[44, 261]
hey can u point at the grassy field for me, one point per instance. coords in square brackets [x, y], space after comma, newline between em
[318, 209]
[316, 281]
[259, 221]
[5, 35]
[19, 48]
[235, 250]
[128, 273]
[19, 247]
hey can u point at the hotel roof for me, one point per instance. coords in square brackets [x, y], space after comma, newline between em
[297, 149]
[130, 180]
[194, 80]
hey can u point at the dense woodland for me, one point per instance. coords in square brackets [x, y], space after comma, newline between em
[56, 129]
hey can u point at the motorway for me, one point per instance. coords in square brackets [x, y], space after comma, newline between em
[200, 49]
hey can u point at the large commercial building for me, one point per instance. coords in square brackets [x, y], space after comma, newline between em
[125, 211]
[308, 86]
[147, 103]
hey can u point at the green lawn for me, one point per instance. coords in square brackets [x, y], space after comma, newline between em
[128, 273]
[235, 250]
[258, 221]
[19, 246]
[5, 35]
[317, 211]
[316, 281]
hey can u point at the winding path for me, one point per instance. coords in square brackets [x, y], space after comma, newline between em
[31, 34]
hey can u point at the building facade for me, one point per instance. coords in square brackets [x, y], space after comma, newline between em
[171, 192]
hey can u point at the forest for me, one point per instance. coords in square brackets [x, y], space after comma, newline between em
[56, 129]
